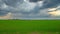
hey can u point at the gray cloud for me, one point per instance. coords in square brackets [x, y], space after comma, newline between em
[22, 9]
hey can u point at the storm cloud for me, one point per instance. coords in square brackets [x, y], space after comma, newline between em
[27, 8]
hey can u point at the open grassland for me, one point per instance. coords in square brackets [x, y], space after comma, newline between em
[30, 26]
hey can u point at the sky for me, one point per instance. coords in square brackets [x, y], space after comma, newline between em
[22, 9]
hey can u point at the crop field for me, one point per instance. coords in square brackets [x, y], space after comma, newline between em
[29, 26]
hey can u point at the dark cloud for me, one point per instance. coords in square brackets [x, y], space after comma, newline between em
[51, 3]
[19, 6]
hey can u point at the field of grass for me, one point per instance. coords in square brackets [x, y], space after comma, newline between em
[24, 26]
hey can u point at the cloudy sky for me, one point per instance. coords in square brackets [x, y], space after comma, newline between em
[20, 9]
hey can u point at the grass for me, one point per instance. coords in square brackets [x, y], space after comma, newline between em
[30, 26]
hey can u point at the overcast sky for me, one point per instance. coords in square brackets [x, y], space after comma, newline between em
[27, 8]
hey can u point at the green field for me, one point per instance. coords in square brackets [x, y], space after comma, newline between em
[29, 26]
